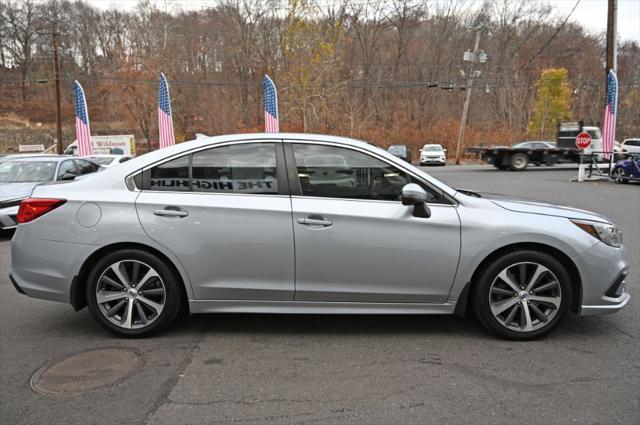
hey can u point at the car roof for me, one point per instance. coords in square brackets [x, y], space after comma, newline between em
[40, 157]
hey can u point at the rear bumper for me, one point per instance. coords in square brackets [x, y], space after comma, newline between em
[8, 217]
[44, 269]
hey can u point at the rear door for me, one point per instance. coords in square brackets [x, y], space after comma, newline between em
[225, 213]
[355, 241]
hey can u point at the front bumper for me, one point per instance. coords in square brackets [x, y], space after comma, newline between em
[432, 160]
[8, 217]
[605, 280]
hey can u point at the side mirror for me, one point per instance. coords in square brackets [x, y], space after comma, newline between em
[68, 176]
[445, 151]
[412, 194]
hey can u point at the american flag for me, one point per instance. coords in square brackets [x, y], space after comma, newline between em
[165, 126]
[270, 106]
[83, 132]
[610, 106]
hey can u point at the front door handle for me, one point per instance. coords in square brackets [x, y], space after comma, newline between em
[315, 221]
[171, 212]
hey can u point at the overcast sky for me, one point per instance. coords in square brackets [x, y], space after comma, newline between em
[592, 14]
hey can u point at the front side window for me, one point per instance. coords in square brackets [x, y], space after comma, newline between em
[334, 172]
[248, 168]
[67, 167]
[86, 167]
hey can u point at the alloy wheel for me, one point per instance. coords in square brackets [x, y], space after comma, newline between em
[619, 175]
[130, 294]
[525, 297]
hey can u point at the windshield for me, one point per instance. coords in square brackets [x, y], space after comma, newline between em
[397, 149]
[101, 160]
[27, 171]
[432, 148]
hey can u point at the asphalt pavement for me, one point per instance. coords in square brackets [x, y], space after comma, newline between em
[273, 369]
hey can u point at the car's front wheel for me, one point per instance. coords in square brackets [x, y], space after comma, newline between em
[133, 293]
[522, 295]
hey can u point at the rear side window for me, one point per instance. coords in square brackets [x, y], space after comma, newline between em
[334, 172]
[248, 168]
[171, 176]
[243, 168]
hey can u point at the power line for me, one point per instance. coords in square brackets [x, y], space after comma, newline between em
[550, 39]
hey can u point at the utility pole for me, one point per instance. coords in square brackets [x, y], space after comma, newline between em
[473, 57]
[612, 49]
[56, 77]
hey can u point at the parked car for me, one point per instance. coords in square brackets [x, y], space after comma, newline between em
[21, 173]
[108, 160]
[535, 144]
[401, 151]
[433, 154]
[248, 223]
[627, 170]
[631, 145]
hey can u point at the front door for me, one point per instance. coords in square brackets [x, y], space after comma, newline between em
[355, 241]
[225, 213]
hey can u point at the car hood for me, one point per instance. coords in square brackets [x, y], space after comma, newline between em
[530, 206]
[9, 191]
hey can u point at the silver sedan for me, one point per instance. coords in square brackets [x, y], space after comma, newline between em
[296, 223]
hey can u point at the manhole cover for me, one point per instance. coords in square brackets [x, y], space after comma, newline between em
[87, 371]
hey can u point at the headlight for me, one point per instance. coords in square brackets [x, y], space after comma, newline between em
[607, 233]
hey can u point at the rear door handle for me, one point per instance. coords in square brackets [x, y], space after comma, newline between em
[315, 221]
[171, 212]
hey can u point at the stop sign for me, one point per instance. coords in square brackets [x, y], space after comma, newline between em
[583, 140]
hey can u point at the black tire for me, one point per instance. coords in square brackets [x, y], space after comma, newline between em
[481, 302]
[172, 297]
[518, 161]
[619, 175]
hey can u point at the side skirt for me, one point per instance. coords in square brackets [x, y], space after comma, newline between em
[313, 307]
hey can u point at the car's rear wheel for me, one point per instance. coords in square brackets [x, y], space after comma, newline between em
[619, 175]
[133, 293]
[522, 295]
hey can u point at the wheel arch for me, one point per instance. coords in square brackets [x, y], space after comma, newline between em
[463, 304]
[77, 294]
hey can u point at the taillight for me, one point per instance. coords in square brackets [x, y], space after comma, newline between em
[32, 208]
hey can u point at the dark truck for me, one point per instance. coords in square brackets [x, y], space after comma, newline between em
[518, 156]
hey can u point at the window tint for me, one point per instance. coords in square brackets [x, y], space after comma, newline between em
[242, 168]
[86, 167]
[171, 176]
[334, 172]
[67, 167]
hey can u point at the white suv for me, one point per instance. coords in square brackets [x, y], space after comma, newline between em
[433, 154]
[631, 145]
